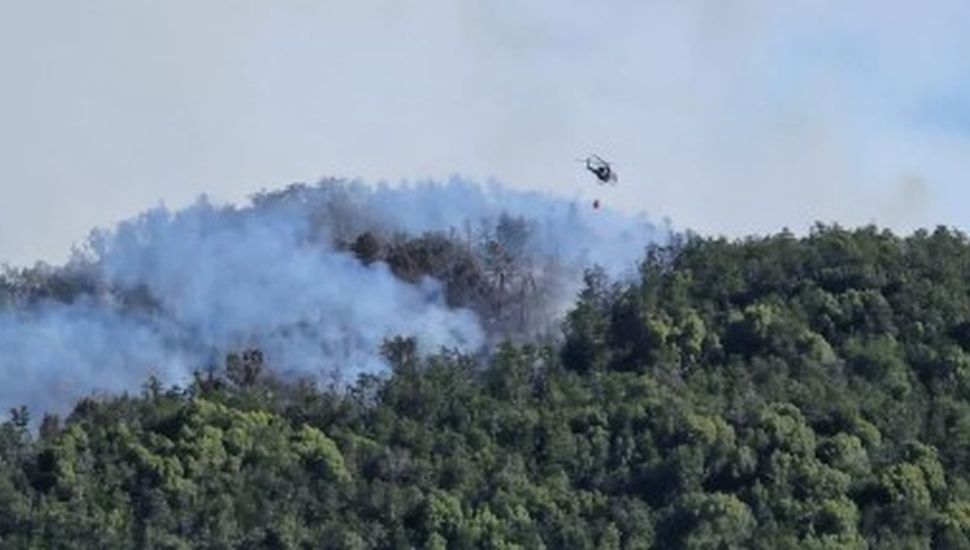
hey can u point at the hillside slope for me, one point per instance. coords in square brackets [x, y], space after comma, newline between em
[776, 392]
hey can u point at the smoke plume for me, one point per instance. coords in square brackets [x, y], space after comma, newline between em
[169, 293]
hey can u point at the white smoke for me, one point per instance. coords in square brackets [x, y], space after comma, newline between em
[217, 279]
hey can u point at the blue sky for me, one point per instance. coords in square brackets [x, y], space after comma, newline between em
[728, 117]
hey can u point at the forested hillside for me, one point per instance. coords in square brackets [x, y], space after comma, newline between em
[778, 392]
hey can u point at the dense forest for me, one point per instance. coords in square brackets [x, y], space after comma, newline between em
[773, 392]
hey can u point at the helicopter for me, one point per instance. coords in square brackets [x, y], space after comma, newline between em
[603, 170]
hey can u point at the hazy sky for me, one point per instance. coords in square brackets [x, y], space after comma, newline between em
[727, 116]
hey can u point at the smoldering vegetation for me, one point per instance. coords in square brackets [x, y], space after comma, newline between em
[315, 277]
